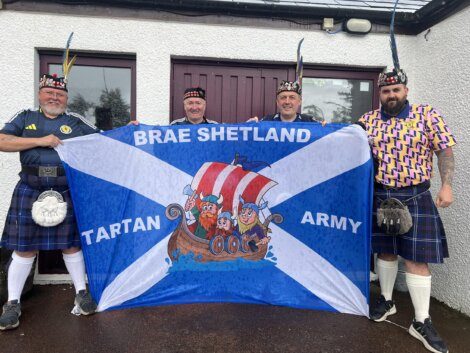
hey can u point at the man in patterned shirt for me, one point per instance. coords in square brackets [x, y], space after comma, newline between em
[403, 139]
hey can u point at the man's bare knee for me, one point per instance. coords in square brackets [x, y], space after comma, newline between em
[387, 257]
[417, 268]
[27, 254]
[70, 251]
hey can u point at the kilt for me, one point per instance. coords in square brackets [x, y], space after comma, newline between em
[21, 233]
[426, 240]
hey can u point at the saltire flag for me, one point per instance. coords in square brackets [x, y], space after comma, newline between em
[267, 213]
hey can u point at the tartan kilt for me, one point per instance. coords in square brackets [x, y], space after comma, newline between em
[21, 233]
[426, 240]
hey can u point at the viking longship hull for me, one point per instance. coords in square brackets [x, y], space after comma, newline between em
[184, 242]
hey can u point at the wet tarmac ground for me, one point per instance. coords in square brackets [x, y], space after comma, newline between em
[48, 326]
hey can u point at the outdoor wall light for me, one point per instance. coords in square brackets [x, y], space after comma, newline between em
[357, 26]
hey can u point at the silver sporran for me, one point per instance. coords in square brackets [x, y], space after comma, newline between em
[49, 209]
[393, 217]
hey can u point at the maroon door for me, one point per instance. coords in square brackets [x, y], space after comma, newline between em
[234, 92]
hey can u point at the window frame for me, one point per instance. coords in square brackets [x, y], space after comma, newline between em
[51, 262]
[366, 74]
[126, 61]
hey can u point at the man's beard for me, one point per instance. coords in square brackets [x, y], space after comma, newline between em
[207, 220]
[53, 110]
[393, 110]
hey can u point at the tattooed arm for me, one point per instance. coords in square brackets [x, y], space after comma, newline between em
[11, 143]
[446, 166]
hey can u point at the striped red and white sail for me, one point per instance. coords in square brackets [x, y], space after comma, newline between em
[215, 178]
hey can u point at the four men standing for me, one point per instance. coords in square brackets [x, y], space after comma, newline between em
[403, 139]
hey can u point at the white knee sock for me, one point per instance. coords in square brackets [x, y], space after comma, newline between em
[17, 274]
[387, 271]
[76, 266]
[420, 292]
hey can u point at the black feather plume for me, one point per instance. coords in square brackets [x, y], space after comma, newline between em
[393, 44]
[300, 64]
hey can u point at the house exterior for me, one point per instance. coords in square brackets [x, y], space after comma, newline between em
[159, 48]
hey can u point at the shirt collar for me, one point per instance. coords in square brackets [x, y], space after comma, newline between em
[298, 117]
[403, 114]
[204, 121]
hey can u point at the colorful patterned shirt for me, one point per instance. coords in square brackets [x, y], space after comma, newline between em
[403, 147]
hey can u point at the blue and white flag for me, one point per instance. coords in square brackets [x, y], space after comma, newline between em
[268, 213]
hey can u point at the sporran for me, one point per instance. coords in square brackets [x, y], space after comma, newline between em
[49, 209]
[393, 217]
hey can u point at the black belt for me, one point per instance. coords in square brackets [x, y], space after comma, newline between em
[43, 171]
[425, 185]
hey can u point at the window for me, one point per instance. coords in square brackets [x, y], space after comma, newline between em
[101, 88]
[339, 96]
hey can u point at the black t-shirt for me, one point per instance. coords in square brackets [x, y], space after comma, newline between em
[300, 118]
[186, 121]
[33, 123]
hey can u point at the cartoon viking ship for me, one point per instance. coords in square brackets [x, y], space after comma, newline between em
[217, 189]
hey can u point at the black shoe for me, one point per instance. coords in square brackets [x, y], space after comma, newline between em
[85, 303]
[382, 309]
[427, 334]
[11, 314]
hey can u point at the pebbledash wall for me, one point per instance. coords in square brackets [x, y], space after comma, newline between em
[437, 65]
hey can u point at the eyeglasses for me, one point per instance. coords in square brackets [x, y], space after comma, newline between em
[54, 94]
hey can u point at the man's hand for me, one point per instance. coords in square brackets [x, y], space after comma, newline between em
[444, 197]
[446, 164]
[133, 122]
[253, 120]
[49, 141]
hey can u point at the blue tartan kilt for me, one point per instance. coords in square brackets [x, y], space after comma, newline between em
[426, 240]
[21, 233]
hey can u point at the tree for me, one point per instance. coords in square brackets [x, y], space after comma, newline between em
[79, 105]
[112, 101]
[314, 111]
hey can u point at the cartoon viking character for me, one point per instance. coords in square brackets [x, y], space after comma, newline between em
[205, 213]
[249, 224]
[226, 224]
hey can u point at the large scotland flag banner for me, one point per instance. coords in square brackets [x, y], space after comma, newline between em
[269, 213]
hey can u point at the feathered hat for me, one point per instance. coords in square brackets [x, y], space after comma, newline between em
[53, 80]
[397, 75]
[294, 86]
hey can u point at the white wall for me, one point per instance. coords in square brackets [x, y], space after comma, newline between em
[154, 42]
[440, 70]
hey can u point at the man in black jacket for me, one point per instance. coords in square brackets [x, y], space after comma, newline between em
[288, 101]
